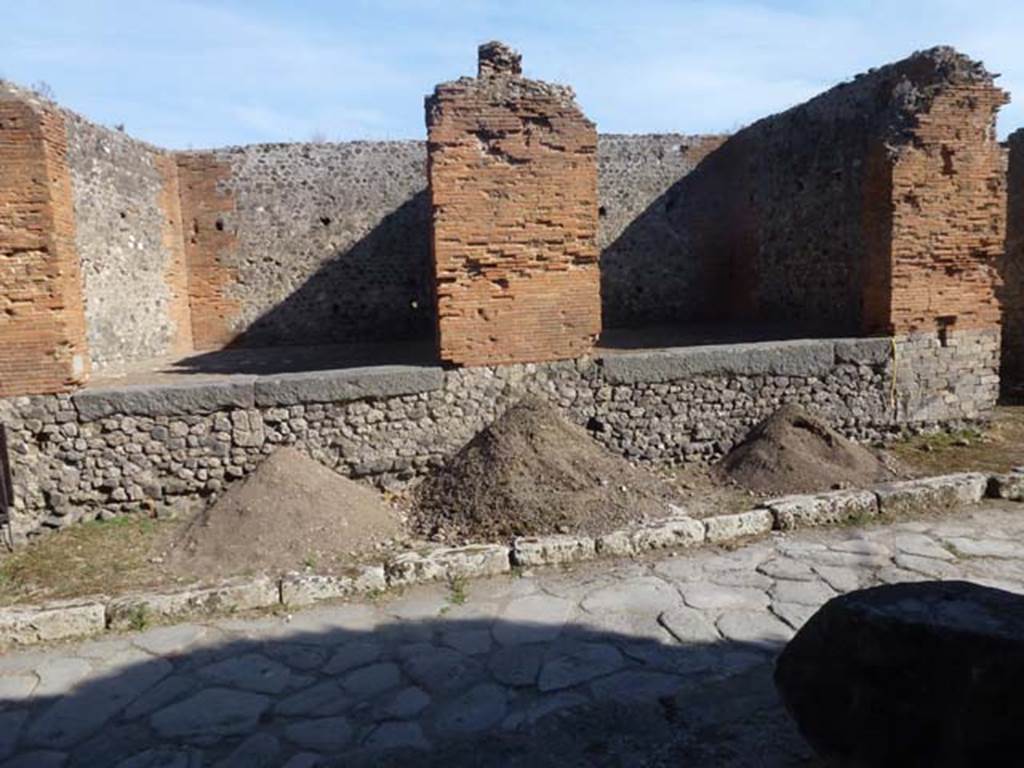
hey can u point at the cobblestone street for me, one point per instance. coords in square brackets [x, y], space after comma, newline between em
[647, 662]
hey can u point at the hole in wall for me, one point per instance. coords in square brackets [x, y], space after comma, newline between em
[325, 220]
[219, 225]
[602, 211]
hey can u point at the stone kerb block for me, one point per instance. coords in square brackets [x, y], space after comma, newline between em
[670, 532]
[830, 508]
[53, 621]
[472, 561]
[552, 550]
[167, 399]
[298, 589]
[931, 494]
[239, 595]
[722, 528]
[348, 384]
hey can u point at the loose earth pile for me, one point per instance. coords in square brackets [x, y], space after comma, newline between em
[532, 472]
[794, 452]
[289, 513]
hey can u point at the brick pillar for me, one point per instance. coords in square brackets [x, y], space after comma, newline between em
[42, 317]
[513, 182]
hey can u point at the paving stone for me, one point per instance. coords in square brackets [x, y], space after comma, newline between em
[922, 546]
[396, 735]
[258, 751]
[404, 704]
[477, 709]
[636, 685]
[531, 619]
[985, 547]
[11, 724]
[745, 578]
[371, 680]
[760, 628]
[745, 558]
[160, 695]
[894, 575]
[714, 597]
[325, 734]
[164, 757]
[689, 626]
[304, 658]
[250, 672]
[112, 744]
[469, 641]
[928, 566]
[59, 675]
[813, 593]
[517, 665]
[569, 664]
[320, 700]
[861, 547]
[442, 669]
[210, 714]
[17, 688]
[543, 707]
[794, 614]
[786, 568]
[306, 760]
[164, 641]
[843, 579]
[681, 568]
[77, 715]
[352, 655]
[647, 594]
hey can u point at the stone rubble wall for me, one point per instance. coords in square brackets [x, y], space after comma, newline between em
[129, 241]
[102, 452]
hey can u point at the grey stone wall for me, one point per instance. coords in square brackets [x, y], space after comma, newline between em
[647, 267]
[120, 235]
[150, 448]
[332, 242]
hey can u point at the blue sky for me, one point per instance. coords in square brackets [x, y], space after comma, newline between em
[200, 73]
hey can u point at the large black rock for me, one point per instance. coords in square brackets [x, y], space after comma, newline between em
[923, 674]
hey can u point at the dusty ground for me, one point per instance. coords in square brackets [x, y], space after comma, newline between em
[128, 553]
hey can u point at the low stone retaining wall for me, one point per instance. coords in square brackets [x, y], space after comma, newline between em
[68, 619]
[170, 447]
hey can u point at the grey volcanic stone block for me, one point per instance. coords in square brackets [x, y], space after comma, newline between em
[872, 352]
[803, 357]
[910, 674]
[931, 494]
[347, 384]
[166, 399]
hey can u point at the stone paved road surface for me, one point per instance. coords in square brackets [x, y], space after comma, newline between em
[660, 662]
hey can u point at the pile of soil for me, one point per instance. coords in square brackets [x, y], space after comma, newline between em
[289, 513]
[531, 472]
[794, 452]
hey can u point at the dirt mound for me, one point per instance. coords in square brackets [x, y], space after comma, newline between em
[292, 512]
[532, 472]
[794, 452]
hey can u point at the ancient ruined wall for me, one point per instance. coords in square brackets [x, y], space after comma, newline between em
[297, 244]
[128, 237]
[646, 267]
[42, 324]
[874, 207]
[1012, 292]
[513, 186]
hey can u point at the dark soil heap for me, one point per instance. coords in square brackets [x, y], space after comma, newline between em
[291, 512]
[794, 452]
[532, 472]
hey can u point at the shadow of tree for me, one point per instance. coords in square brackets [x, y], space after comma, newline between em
[344, 690]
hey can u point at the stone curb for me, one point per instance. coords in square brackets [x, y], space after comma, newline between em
[25, 625]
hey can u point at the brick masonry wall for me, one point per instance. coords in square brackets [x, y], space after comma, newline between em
[74, 460]
[513, 186]
[128, 238]
[308, 243]
[1012, 291]
[873, 207]
[42, 320]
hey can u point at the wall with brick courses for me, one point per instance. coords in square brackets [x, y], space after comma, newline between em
[308, 243]
[42, 324]
[1012, 292]
[513, 187]
[147, 449]
[129, 241]
[874, 207]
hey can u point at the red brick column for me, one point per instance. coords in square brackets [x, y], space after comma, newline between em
[42, 316]
[513, 182]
